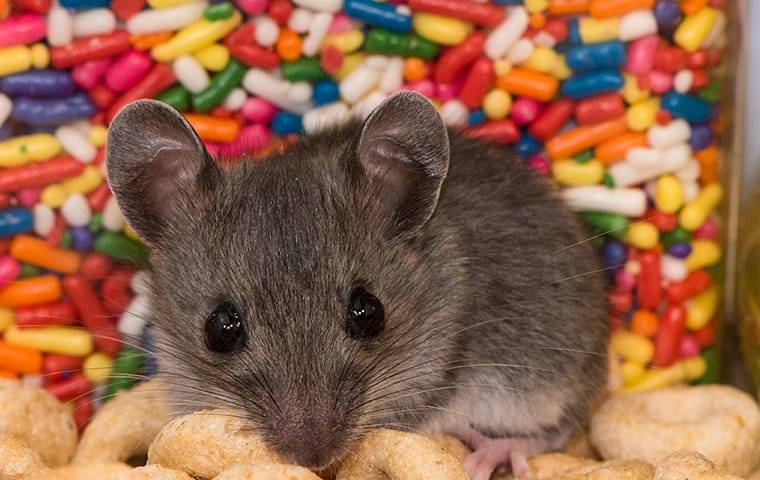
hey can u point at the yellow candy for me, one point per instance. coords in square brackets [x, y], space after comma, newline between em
[642, 115]
[72, 341]
[570, 172]
[350, 62]
[668, 195]
[440, 29]
[683, 371]
[28, 148]
[501, 67]
[561, 71]
[97, 136]
[346, 42]
[704, 253]
[536, 6]
[166, 3]
[6, 318]
[97, 367]
[130, 233]
[40, 55]
[694, 29]
[594, 30]
[194, 37]
[85, 182]
[632, 347]
[632, 373]
[701, 309]
[695, 212]
[496, 104]
[214, 57]
[543, 60]
[632, 93]
[53, 195]
[643, 235]
[14, 59]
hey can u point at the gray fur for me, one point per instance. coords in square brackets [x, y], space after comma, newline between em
[495, 319]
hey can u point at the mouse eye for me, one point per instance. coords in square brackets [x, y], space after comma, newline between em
[365, 317]
[225, 332]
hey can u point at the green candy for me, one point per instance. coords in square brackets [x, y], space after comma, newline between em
[710, 355]
[584, 156]
[220, 11]
[711, 93]
[121, 248]
[221, 85]
[29, 270]
[128, 363]
[96, 222]
[176, 96]
[605, 223]
[608, 181]
[404, 44]
[677, 235]
[306, 69]
[65, 242]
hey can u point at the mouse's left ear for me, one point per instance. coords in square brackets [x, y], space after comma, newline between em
[158, 168]
[404, 156]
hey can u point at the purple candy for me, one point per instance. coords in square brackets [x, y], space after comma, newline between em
[6, 131]
[668, 15]
[81, 238]
[679, 250]
[701, 136]
[52, 112]
[39, 83]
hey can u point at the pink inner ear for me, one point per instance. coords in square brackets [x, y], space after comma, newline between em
[173, 172]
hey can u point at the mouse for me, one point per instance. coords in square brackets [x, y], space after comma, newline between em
[384, 273]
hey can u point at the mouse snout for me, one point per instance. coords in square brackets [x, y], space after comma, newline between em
[311, 442]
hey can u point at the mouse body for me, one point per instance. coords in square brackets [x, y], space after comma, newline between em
[384, 273]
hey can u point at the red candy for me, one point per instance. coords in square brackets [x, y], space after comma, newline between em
[78, 288]
[669, 333]
[90, 48]
[477, 83]
[39, 174]
[600, 108]
[61, 313]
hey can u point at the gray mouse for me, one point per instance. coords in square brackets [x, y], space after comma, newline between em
[384, 273]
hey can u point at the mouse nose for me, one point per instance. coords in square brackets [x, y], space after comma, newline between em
[312, 444]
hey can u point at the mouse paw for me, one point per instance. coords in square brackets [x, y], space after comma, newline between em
[492, 454]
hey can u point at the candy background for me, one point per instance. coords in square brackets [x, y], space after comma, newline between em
[616, 101]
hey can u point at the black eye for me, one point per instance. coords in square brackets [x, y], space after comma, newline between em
[365, 318]
[225, 332]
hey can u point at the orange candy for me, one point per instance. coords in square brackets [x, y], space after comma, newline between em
[614, 149]
[150, 40]
[288, 45]
[708, 161]
[7, 374]
[36, 252]
[214, 129]
[568, 7]
[529, 83]
[580, 138]
[644, 323]
[415, 69]
[689, 7]
[537, 20]
[31, 291]
[19, 359]
[615, 8]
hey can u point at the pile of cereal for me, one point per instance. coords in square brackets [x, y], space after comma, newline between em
[615, 99]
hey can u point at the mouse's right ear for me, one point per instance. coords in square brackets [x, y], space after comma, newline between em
[157, 166]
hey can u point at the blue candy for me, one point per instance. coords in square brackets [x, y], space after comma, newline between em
[325, 91]
[701, 136]
[574, 32]
[680, 250]
[39, 83]
[476, 117]
[81, 238]
[614, 253]
[690, 108]
[527, 145]
[6, 131]
[590, 84]
[597, 56]
[82, 4]
[14, 221]
[381, 15]
[52, 112]
[285, 123]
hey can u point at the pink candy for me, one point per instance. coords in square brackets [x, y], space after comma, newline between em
[624, 280]
[258, 110]
[252, 7]
[708, 230]
[28, 197]
[86, 75]
[525, 110]
[641, 55]
[10, 269]
[22, 28]
[425, 87]
[659, 82]
[127, 70]
[688, 347]
[540, 164]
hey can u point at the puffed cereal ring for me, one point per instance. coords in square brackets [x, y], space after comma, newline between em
[718, 421]
[125, 426]
[267, 471]
[612, 470]
[550, 465]
[206, 443]
[686, 465]
[452, 445]
[38, 420]
[18, 460]
[109, 471]
[390, 454]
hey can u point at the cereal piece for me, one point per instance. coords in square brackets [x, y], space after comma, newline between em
[385, 454]
[18, 459]
[579, 445]
[452, 445]
[551, 465]
[612, 470]
[125, 426]
[717, 421]
[267, 471]
[157, 472]
[206, 443]
[686, 465]
[37, 419]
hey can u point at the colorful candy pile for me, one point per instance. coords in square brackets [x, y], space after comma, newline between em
[616, 99]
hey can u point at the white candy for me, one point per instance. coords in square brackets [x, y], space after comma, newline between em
[60, 27]
[300, 92]
[636, 25]
[44, 219]
[642, 157]
[191, 74]
[140, 283]
[675, 158]
[320, 5]
[644, 164]
[112, 217]
[393, 77]
[690, 191]
[320, 23]
[677, 131]
[94, 22]
[360, 81]
[133, 320]
[504, 36]
[235, 99]
[6, 105]
[300, 20]
[278, 91]
[544, 39]
[265, 30]
[75, 144]
[326, 116]
[521, 51]
[76, 211]
[454, 113]
[166, 19]
[404, 10]
[716, 34]
[631, 202]
[683, 80]
[82, 126]
[363, 108]
[690, 172]
[673, 269]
